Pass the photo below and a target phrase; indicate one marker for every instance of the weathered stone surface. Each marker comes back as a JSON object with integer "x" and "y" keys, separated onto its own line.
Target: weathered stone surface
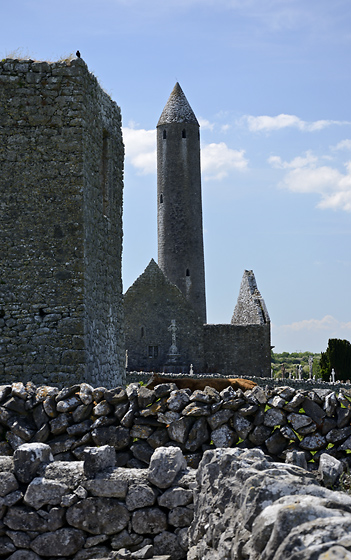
{"x": 174, "y": 497}
{"x": 24, "y": 555}
{"x": 69, "y": 473}
{"x": 179, "y": 429}
{"x": 242, "y": 425}
{"x": 165, "y": 464}
{"x": 42, "y": 491}
{"x": 219, "y": 418}
{"x": 118, "y": 436}
{"x": 224, "y": 437}
{"x": 198, "y": 435}
{"x": 8, "y": 483}
{"x": 313, "y": 443}
{"x": 140, "y": 496}
{"x": 98, "y": 459}
{"x": 180, "y": 516}
{"x": 98, "y": 516}
{"x": 114, "y": 482}
{"x": 149, "y": 521}
{"x": 167, "y": 543}
{"x": 63, "y": 542}
{"x": 28, "y": 458}
{"x": 274, "y": 417}
{"x": 329, "y": 468}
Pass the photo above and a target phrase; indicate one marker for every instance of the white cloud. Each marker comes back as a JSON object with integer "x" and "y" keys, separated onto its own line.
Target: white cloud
{"x": 205, "y": 124}
{"x": 269, "y": 124}
{"x": 343, "y": 145}
{"x": 217, "y": 160}
{"x": 297, "y": 162}
{"x": 140, "y": 146}
{"x": 304, "y": 176}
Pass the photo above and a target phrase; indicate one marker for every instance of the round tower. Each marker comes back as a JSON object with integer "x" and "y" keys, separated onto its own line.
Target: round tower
{"x": 179, "y": 205}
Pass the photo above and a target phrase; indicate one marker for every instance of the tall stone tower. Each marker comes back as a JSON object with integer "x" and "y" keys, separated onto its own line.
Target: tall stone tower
{"x": 179, "y": 205}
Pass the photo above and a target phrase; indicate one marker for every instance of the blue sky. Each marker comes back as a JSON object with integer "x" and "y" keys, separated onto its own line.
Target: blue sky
{"x": 270, "y": 83}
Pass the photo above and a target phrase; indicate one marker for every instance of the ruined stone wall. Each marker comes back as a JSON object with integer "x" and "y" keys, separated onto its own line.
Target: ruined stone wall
{"x": 61, "y": 159}
{"x": 238, "y": 350}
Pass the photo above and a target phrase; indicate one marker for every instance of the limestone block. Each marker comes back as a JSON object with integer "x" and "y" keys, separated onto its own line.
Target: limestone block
{"x": 63, "y": 542}
{"x": 167, "y": 543}
{"x": 98, "y": 516}
{"x": 8, "y": 483}
{"x": 329, "y": 468}
{"x": 28, "y": 458}
{"x": 174, "y": 497}
{"x": 165, "y": 464}
{"x": 149, "y": 521}
{"x": 98, "y": 459}
{"x": 140, "y": 496}
{"x": 42, "y": 491}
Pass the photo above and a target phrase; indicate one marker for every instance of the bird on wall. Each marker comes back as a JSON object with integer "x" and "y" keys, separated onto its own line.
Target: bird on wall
{"x": 78, "y": 54}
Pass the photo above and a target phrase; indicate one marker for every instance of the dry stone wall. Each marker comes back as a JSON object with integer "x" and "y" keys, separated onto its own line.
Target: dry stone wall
{"x": 92, "y": 509}
{"x": 137, "y": 420}
{"x": 61, "y": 181}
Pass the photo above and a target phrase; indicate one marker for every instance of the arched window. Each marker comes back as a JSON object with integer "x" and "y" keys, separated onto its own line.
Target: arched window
{"x": 183, "y": 133}
{"x": 164, "y": 134}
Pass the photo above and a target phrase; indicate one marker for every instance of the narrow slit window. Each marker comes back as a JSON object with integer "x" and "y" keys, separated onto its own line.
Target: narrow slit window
{"x": 141, "y": 332}
{"x": 161, "y": 198}
{"x": 187, "y": 273}
{"x": 183, "y": 133}
{"x": 153, "y": 351}
{"x": 164, "y": 134}
{"x": 105, "y": 173}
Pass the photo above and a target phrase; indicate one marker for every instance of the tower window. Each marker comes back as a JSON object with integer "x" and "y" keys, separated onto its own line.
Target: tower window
{"x": 153, "y": 351}
{"x": 187, "y": 272}
{"x": 164, "y": 134}
{"x": 161, "y": 198}
{"x": 141, "y": 332}
{"x": 183, "y": 133}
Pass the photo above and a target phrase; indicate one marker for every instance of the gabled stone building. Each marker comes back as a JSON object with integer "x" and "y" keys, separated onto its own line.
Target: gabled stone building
{"x": 165, "y": 308}
{"x": 61, "y": 182}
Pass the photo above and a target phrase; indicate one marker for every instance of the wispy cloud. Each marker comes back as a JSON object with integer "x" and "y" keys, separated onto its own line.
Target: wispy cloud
{"x": 217, "y": 160}
{"x": 343, "y": 145}
{"x": 328, "y": 323}
{"x": 269, "y": 124}
{"x": 205, "y": 124}
{"x": 305, "y": 176}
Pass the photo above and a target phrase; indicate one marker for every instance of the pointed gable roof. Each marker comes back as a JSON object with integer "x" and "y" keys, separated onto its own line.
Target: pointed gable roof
{"x": 250, "y": 308}
{"x": 177, "y": 109}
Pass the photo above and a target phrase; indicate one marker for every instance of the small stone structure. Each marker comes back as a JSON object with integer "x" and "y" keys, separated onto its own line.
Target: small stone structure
{"x": 61, "y": 160}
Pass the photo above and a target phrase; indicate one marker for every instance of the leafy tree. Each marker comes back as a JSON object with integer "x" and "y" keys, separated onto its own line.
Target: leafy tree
{"x": 337, "y": 356}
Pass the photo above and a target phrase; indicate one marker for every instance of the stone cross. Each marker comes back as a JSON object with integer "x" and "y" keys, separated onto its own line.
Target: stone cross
{"x": 173, "y": 330}
{"x": 310, "y": 364}
{"x": 332, "y": 377}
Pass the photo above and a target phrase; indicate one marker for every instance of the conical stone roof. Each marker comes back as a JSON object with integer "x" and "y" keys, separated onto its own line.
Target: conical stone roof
{"x": 177, "y": 109}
